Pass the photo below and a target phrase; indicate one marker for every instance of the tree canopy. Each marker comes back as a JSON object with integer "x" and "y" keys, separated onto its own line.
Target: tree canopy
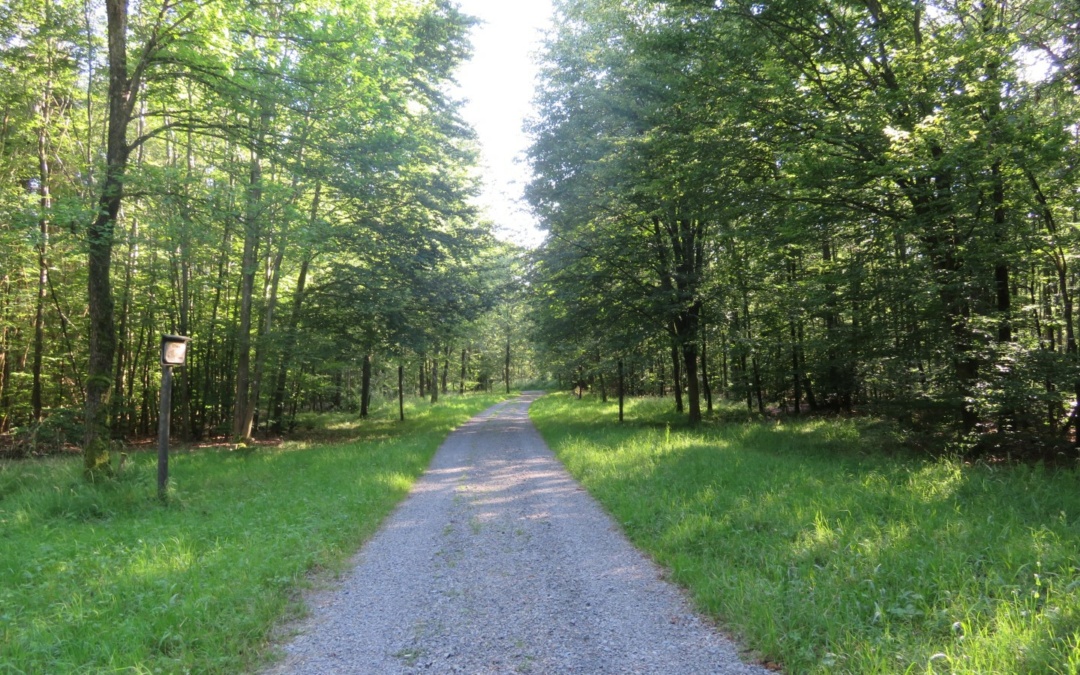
{"x": 289, "y": 184}
{"x": 826, "y": 204}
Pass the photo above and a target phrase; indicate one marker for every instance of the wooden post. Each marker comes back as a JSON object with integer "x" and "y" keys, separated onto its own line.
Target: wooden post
{"x": 163, "y": 431}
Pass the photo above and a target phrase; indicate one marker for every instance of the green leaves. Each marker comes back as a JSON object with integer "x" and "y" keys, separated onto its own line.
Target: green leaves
{"x": 863, "y": 175}
{"x": 315, "y": 137}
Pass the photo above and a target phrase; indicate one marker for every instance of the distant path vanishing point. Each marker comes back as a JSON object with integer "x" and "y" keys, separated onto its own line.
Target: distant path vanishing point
{"x": 499, "y": 562}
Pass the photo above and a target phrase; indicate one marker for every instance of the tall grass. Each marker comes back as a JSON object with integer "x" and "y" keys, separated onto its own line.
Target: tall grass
{"x": 827, "y": 550}
{"x": 103, "y": 578}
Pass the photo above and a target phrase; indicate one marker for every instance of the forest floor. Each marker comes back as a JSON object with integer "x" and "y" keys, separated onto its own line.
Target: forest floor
{"x": 499, "y": 562}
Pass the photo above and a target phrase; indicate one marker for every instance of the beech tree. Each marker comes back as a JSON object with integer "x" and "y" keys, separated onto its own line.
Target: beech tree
{"x": 874, "y": 191}
{"x": 222, "y": 166}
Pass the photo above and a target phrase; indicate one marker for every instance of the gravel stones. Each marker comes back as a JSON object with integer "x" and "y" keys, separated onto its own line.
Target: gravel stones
{"x": 499, "y": 562}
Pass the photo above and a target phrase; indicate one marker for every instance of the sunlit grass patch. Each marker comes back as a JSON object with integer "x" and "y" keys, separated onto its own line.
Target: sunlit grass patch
{"x": 102, "y": 578}
{"x": 829, "y": 549}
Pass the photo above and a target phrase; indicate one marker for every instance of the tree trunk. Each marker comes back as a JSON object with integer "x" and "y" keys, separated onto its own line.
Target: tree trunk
{"x": 365, "y": 386}
{"x": 435, "y": 377}
{"x": 446, "y": 368}
{"x": 622, "y": 390}
{"x": 1001, "y": 270}
{"x": 5, "y": 377}
{"x": 401, "y": 391}
{"x": 277, "y": 404}
{"x": 724, "y": 383}
{"x": 102, "y": 338}
{"x": 676, "y": 377}
{"x": 795, "y": 379}
{"x": 263, "y": 344}
{"x": 464, "y": 354}
{"x": 210, "y": 348}
{"x": 705, "y": 372}
{"x": 45, "y": 203}
{"x": 507, "y": 365}
{"x": 249, "y": 266}
{"x": 690, "y": 360}
{"x": 123, "y": 357}
{"x": 1061, "y": 264}
{"x": 757, "y": 385}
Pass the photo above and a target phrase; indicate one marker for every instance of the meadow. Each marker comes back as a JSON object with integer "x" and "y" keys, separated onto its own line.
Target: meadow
{"x": 826, "y": 547}
{"x": 107, "y": 578}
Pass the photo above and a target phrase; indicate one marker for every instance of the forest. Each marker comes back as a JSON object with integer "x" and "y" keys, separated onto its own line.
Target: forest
{"x": 288, "y": 184}
{"x": 798, "y": 205}
{"x": 817, "y": 205}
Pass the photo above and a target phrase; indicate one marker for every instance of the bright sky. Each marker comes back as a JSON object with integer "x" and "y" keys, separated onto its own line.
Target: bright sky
{"x": 498, "y": 87}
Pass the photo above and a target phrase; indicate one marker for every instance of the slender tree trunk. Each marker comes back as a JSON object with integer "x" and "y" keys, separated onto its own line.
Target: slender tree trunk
{"x": 365, "y": 386}
{"x": 127, "y": 358}
{"x": 401, "y": 391}
{"x": 1007, "y": 419}
{"x": 724, "y": 380}
{"x": 837, "y": 390}
{"x": 5, "y": 377}
{"x": 123, "y": 356}
{"x": 45, "y": 203}
{"x": 446, "y": 368}
{"x": 795, "y": 379}
{"x": 807, "y": 384}
{"x": 690, "y": 359}
{"x": 147, "y": 388}
{"x": 1001, "y": 270}
{"x": 249, "y": 267}
{"x": 705, "y": 372}
{"x": 507, "y": 365}
{"x": 211, "y": 347}
{"x": 263, "y": 344}
{"x": 1061, "y": 264}
{"x": 676, "y": 377}
{"x": 757, "y": 385}
{"x": 756, "y": 388}
{"x": 435, "y": 377}
{"x": 277, "y": 404}
{"x": 188, "y": 375}
{"x": 464, "y": 354}
{"x": 622, "y": 390}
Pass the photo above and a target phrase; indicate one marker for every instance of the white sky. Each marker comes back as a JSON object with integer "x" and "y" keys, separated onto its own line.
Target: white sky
{"x": 498, "y": 87}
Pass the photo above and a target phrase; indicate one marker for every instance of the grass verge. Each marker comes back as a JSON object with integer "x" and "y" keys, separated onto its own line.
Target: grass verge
{"x": 106, "y": 578}
{"x": 826, "y": 552}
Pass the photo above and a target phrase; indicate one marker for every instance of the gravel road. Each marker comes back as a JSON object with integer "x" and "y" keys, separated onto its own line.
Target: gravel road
{"x": 499, "y": 562}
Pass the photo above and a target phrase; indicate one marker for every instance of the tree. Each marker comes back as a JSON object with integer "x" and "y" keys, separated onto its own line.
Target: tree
{"x": 858, "y": 182}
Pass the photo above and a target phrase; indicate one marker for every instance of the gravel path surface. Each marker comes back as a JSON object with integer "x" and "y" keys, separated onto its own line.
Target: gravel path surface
{"x": 499, "y": 562}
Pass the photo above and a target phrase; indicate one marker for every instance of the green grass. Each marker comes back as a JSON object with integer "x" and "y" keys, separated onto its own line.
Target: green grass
{"x": 107, "y": 579}
{"x": 826, "y": 551}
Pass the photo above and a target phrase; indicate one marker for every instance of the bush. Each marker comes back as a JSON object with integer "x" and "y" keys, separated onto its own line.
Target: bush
{"x": 61, "y": 430}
